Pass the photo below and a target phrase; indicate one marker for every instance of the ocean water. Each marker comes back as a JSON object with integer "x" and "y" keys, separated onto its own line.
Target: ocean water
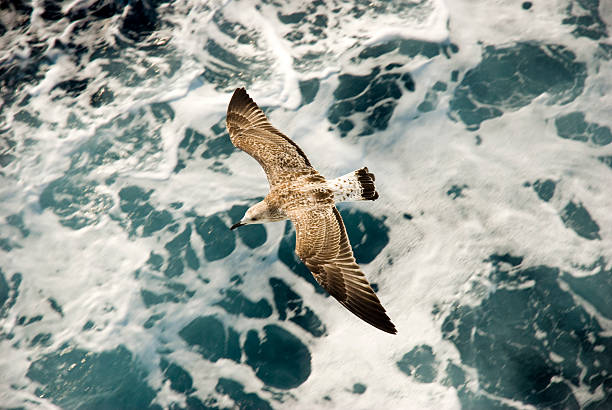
{"x": 487, "y": 125}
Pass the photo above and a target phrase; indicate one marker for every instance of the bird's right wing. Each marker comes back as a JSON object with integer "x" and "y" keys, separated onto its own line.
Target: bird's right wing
{"x": 251, "y": 132}
{"x": 323, "y": 245}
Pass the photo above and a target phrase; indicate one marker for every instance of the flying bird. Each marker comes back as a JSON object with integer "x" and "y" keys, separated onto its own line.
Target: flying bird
{"x": 299, "y": 193}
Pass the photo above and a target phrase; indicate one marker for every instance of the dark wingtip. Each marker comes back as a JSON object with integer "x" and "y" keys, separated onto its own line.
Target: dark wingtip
{"x": 385, "y": 324}
{"x": 391, "y": 330}
{"x": 379, "y": 319}
{"x": 240, "y": 98}
{"x": 239, "y": 91}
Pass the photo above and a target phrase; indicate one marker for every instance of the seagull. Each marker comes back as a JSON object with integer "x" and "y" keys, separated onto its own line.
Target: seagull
{"x": 299, "y": 193}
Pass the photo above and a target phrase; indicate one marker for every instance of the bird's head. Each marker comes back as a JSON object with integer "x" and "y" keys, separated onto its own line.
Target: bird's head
{"x": 257, "y": 214}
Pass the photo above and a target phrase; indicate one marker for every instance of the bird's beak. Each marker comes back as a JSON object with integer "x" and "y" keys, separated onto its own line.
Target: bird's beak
{"x": 236, "y": 225}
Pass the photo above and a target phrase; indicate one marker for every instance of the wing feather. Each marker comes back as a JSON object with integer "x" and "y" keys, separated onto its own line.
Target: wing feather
{"x": 251, "y": 132}
{"x": 323, "y": 245}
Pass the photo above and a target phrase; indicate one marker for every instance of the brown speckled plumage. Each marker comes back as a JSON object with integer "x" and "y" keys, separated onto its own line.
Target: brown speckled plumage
{"x": 298, "y": 192}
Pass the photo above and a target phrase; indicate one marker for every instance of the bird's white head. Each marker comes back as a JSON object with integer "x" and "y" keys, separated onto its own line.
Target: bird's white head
{"x": 258, "y": 214}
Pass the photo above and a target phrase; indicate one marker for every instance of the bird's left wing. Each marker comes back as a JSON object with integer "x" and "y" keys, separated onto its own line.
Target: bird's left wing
{"x": 323, "y": 245}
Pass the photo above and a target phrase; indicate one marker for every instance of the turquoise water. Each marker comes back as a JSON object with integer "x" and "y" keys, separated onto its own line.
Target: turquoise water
{"x": 487, "y": 125}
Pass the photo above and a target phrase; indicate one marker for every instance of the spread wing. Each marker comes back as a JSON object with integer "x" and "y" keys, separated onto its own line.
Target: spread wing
{"x": 323, "y": 245}
{"x": 251, "y": 131}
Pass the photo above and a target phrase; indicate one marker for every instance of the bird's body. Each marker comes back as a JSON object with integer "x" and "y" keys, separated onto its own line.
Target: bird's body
{"x": 305, "y": 190}
{"x": 299, "y": 193}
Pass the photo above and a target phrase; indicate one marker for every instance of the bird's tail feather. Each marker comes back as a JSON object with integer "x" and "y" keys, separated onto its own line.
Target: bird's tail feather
{"x": 354, "y": 186}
